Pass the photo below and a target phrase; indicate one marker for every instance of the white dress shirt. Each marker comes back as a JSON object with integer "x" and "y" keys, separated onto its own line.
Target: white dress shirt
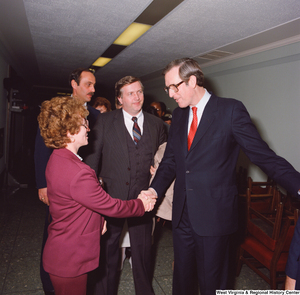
{"x": 129, "y": 123}
{"x": 200, "y": 108}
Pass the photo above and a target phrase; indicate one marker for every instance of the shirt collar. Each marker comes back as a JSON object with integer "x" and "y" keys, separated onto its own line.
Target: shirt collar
{"x": 79, "y": 157}
{"x": 128, "y": 116}
{"x": 203, "y": 101}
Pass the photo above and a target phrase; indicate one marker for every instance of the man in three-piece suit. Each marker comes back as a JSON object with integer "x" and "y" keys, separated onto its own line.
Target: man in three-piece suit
{"x": 125, "y": 142}
{"x": 83, "y": 84}
{"x": 205, "y": 137}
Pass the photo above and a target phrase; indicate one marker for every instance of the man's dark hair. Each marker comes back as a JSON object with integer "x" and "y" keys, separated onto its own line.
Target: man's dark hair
{"x": 76, "y": 74}
{"x": 163, "y": 106}
{"x": 152, "y": 110}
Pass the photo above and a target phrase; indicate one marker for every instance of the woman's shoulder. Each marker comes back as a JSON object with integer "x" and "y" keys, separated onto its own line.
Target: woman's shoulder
{"x": 64, "y": 153}
{"x": 67, "y": 164}
{"x": 66, "y": 158}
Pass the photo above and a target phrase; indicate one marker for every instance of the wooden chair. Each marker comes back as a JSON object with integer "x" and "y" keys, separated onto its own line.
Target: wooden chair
{"x": 263, "y": 195}
{"x": 263, "y": 202}
{"x": 261, "y": 187}
{"x": 267, "y": 243}
{"x": 290, "y": 204}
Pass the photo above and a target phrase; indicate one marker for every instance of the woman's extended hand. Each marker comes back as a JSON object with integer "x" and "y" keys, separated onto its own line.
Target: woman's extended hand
{"x": 148, "y": 198}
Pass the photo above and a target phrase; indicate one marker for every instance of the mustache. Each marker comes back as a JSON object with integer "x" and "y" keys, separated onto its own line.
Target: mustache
{"x": 91, "y": 93}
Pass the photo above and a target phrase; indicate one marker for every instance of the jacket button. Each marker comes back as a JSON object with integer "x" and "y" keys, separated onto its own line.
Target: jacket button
{"x": 187, "y": 171}
{"x": 128, "y": 168}
{"x": 127, "y": 183}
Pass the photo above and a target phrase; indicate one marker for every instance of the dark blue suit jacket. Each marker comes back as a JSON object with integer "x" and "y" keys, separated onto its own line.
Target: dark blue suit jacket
{"x": 205, "y": 175}
{"x": 293, "y": 264}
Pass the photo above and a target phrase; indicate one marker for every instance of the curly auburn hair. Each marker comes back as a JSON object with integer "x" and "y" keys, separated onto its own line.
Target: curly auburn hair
{"x": 58, "y": 116}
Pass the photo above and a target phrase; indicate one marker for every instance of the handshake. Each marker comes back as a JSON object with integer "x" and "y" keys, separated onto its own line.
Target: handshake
{"x": 148, "y": 198}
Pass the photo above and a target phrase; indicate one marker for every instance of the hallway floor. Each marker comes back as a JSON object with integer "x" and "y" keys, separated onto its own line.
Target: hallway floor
{"x": 21, "y": 226}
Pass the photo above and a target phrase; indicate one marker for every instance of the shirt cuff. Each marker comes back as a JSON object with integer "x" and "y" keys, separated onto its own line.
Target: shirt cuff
{"x": 153, "y": 191}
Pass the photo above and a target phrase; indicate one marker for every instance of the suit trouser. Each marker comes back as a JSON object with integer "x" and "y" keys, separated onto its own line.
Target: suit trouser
{"x": 208, "y": 256}
{"x": 140, "y": 229}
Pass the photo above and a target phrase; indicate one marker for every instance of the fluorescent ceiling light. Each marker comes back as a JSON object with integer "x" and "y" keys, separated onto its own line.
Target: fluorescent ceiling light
{"x": 157, "y": 10}
{"x": 101, "y": 61}
{"x": 133, "y": 32}
{"x": 63, "y": 94}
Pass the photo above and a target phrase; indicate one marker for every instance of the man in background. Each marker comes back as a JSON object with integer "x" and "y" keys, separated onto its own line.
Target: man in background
{"x": 83, "y": 83}
{"x": 161, "y": 109}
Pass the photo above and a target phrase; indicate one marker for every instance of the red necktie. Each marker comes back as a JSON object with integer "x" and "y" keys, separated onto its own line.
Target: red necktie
{"x": 193, "y": 128}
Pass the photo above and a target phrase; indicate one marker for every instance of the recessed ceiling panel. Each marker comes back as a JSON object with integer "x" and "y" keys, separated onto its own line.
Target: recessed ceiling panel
{"x": 197, "y": 27}
{"x": 68, "y": 34}
{"x": 61, "y": 35}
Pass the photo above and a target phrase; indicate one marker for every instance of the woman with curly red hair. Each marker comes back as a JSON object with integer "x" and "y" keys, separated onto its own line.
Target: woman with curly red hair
{"x": 77, "y": 201}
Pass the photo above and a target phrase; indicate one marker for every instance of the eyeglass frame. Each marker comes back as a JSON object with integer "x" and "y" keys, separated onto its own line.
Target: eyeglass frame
{"x": 167, "y": 88}
{"x": 86, "y": 125}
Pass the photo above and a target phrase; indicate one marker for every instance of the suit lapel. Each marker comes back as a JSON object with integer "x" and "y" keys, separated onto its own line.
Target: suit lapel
{"x": 152, "y": 131}
{"x": 208, "y": 116}
{"x": 183, "y": 127}
{"x": 120, "y": 131}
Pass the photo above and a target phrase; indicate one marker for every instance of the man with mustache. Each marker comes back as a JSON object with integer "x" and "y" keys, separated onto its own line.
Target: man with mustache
{"x": 83, "y": 83}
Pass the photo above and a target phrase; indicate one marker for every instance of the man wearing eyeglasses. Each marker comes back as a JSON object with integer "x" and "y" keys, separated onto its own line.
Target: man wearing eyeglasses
{"x": 205, "y": 137}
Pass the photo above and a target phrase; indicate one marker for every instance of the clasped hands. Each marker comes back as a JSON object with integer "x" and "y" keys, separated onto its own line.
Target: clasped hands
{"x": 148, "y": 198}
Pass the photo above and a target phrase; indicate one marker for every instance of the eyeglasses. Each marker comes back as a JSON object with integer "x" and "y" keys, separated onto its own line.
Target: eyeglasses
{"x": 86, "y": 125}
{"x": 173, "y": 87}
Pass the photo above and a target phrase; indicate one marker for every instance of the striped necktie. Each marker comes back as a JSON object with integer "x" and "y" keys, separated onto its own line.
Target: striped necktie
{"x": 193, "y": 128}
{"x": 136, "y": 130}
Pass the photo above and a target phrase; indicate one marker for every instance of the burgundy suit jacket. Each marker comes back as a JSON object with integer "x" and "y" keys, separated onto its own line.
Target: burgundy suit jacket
{"x": 76, "y": 204}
